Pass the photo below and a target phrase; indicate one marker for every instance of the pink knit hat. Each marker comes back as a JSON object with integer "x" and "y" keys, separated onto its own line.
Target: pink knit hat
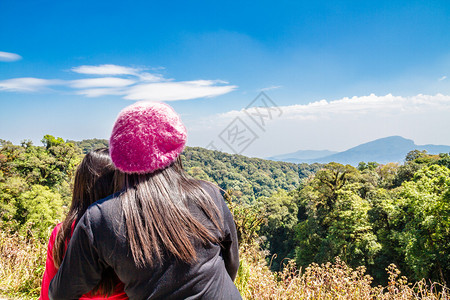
{"x": 147, "y": 136}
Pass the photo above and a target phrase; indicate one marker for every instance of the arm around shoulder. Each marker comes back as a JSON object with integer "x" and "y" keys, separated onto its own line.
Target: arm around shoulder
{"x": 81, "y": 268}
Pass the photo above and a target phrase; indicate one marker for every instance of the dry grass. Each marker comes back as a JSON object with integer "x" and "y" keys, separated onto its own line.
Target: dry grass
{"x": 22, "y": 264}
{"x": 326, "y": 281}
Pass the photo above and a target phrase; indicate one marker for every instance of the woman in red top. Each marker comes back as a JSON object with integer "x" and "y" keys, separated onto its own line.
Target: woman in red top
{"x": 94, "y": 180}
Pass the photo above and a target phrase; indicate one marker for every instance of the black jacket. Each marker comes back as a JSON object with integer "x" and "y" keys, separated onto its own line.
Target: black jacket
{"x": 99, "y": 241}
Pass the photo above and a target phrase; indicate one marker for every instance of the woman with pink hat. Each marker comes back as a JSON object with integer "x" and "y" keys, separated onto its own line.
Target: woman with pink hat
{"x": 165, "y": 235}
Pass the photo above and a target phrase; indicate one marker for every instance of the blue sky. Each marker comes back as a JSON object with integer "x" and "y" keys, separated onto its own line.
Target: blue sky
{"x": 341, "y": 72}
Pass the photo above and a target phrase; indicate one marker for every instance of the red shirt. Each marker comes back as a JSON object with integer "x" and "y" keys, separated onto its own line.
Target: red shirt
{"x": 51, "y": 270}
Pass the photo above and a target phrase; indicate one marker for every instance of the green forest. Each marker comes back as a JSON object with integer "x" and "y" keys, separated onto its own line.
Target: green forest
{"x": 296, "y": 215}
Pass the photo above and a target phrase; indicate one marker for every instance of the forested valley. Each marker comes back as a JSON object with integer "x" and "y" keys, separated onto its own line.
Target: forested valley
{"x": 303, "y": 222}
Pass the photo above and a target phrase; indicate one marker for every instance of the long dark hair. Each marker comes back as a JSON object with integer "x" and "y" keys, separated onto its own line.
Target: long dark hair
{"x": 94, "y": 180}
{"x": 158, "y": 220}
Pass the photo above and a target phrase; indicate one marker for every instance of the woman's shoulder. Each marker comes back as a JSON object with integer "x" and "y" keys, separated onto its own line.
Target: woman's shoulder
{"x": 107, "y": 200}
{"x": 102, "y": 206}
{"x": 105, "y": 212}
{"x": 57, "y": 227}
{"x": 55, "y": 231}
{"x": 210, "y": 187}
{"x": 215, "y": 192}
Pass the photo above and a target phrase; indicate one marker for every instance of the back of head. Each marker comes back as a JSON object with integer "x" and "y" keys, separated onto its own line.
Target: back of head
{"x": 94, "y": 179}
{"x": 145, "y": 143}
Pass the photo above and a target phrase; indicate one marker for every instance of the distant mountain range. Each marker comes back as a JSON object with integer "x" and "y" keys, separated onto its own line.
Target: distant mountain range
{"x": 384, "y": 150}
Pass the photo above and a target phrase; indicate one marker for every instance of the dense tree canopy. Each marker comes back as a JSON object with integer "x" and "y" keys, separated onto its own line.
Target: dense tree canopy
{"x": 374, "y": 216}
{"x": 90, "y": 144}
{"x": 35, "y": 184}
{"x": 249, "y": 178}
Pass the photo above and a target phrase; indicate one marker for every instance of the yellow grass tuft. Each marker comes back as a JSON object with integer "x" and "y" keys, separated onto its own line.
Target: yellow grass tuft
{"x": 325, "y": 281}
{"x": 22, "y": 264}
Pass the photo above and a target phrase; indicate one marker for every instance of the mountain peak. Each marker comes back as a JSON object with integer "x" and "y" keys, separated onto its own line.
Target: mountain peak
{"x": 394, "y": 138}
{"x": 384, "y": 144}
{"x": 383, "y": 150}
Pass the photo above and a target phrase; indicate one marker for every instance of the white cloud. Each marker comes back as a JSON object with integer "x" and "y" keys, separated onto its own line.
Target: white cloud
{"x": 442, "y": 78}
{"x": 129, "y": 83}
{"x": 27, "y": 84}
{"x": 144, "y": 76}
{"x": 98, "y": 92}
{"x": 8, "y": 56}
{"x": 106, "y": 70}
{"x": 145, "y": 86}
{"x": 272, "y": 87}
{"x": 101, "y": 82}
{"x": 358, "y": 106}
{"x": 182, "y": 90}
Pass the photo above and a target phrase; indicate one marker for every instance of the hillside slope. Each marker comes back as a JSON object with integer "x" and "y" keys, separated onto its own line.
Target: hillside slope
{"x": 249, "y": 178}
